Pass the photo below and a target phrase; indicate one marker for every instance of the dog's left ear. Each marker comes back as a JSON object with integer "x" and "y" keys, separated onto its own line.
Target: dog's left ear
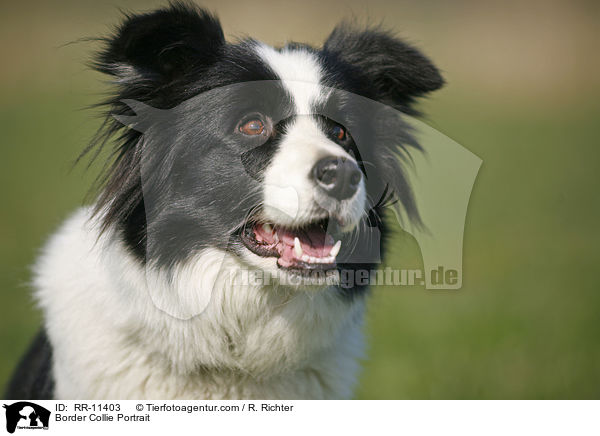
{"x": 398, "y": 72}
{"x": 162, "y": 45}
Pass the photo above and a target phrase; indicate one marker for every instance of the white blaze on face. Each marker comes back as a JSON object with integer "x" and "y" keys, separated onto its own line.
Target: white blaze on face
{"x": 304, "y": 143}
{"x": 300, "y": 72}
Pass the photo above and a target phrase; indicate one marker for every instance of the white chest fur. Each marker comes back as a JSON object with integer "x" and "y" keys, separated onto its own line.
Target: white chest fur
{"x": 110, "y": 340}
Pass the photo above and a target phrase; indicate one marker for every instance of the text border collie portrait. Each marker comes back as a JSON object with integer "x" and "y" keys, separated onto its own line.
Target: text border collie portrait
{"x": 227, "y": 157}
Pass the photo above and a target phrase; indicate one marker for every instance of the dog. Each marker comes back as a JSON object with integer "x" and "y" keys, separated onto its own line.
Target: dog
{"x": 228, "y": 159}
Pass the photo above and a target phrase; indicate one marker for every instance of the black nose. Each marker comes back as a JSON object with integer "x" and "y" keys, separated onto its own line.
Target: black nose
{"x": 338, "y": 177}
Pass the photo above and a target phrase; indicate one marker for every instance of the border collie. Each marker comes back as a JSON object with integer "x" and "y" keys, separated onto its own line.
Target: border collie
{"x": 228, "y": 159}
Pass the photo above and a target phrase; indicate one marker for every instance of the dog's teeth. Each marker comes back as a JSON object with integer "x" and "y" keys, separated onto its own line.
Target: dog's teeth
{"x": 335, "y": 249}
{"x": 267, "y": 228}
{"x": 297, "y": 247}
{"x": 276, "y": 238}
{"x": 305, "y": 258}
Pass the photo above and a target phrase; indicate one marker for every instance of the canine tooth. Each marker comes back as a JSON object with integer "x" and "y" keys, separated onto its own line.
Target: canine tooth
{"x": 297, "y": 247}
{"x": 267, "y": 227}
{"x": 276, "y": 237}
{"x": 335, "y": 249}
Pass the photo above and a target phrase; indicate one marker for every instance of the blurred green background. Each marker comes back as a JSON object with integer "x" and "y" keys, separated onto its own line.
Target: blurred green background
{"x": 523, "y": 94}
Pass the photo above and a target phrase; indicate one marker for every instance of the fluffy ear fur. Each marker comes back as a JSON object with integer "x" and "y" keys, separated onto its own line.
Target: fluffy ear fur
{"x": 162, "y": 45}
{"x": 152, "y": 57}
{"x": 398, "y": 72}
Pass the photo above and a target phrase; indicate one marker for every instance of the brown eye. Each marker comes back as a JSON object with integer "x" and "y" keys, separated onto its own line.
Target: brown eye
{"x": 253, "y": 127}
{"x": 339, "y": 132}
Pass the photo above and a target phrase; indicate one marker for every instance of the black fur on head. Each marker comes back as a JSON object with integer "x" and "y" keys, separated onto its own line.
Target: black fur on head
{"x": 167, "y": 57}
{"x": 161, "y": 58}
{"x": 160, "y": 47}
{"x": 394, "y": 72}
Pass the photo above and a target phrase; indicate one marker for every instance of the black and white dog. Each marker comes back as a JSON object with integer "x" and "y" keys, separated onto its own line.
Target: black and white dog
{"x": 229, "y": 158}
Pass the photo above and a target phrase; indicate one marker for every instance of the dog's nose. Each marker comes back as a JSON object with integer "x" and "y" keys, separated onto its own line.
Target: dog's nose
{"x": 338, "y": 177}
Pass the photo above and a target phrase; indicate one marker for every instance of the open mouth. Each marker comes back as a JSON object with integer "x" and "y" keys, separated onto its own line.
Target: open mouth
{"x": 306, "y": 248}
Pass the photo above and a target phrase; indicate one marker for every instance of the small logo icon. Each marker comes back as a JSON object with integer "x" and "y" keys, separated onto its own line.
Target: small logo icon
{"x": 26, "y": 415}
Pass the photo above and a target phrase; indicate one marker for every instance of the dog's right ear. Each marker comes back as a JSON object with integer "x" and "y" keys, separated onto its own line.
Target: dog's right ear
{"x": 162, "y": 45}
{"x": 397, "y": 72}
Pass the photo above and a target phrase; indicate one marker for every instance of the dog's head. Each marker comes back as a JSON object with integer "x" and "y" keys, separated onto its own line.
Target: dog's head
{"x": 282, "y": 157}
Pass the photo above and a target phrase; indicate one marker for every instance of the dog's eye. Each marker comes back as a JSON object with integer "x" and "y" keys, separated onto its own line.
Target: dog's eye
{"x": 253, "y": 127}
{"x": 338, "y": 132}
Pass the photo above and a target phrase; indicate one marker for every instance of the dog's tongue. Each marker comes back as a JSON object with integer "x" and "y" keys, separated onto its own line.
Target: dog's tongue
{"x": 314, "y": 241}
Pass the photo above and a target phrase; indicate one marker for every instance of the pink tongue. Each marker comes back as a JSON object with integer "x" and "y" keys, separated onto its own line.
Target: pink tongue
{"x": 314, "y": 241}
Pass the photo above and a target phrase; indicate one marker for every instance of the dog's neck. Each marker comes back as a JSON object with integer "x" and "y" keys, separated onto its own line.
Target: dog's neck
{"x": 197, "y": 332}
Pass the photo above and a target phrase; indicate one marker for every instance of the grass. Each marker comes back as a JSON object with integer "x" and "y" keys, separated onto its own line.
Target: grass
{"x": 525, "y": 323}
